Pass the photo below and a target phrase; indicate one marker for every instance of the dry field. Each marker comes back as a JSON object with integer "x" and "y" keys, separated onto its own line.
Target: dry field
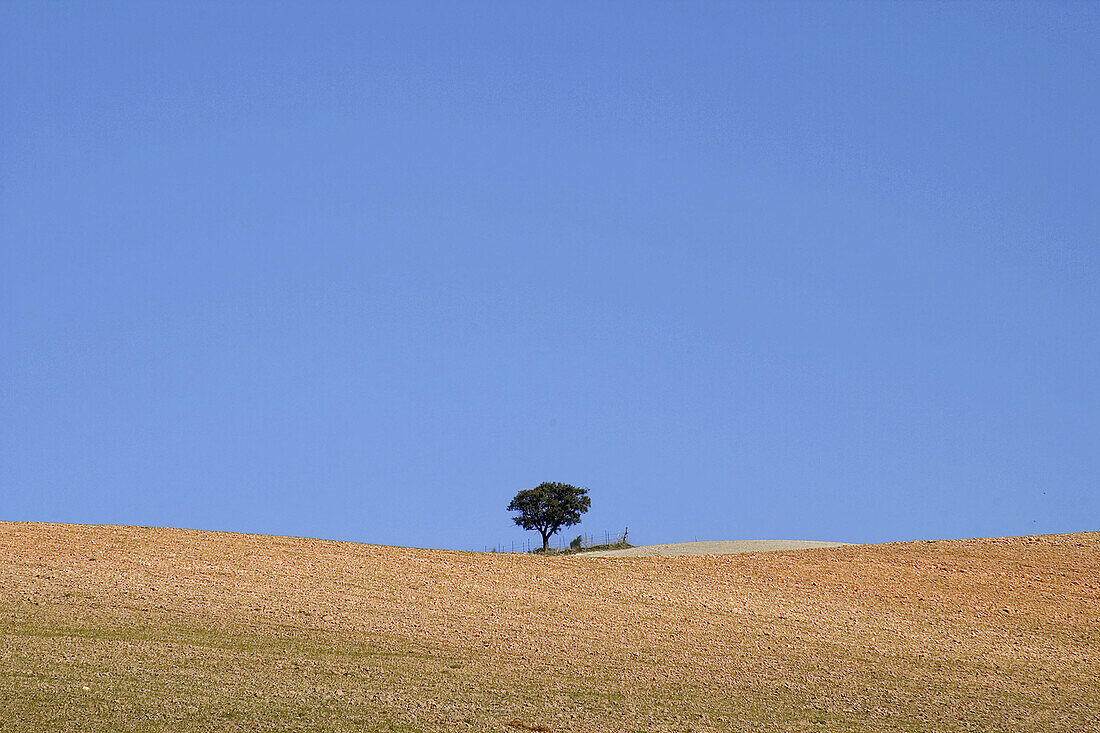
{"x": 124, "y": 628}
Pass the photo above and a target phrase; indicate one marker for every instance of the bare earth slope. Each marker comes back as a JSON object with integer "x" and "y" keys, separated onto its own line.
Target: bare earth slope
{"x": 724, "y": 547}
{"x": 123, "y": 628}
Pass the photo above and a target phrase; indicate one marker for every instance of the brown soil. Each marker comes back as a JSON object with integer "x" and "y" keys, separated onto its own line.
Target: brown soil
{"x": 161, "y": 629}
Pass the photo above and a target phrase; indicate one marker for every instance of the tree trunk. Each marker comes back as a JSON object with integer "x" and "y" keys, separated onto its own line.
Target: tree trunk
{"x": 545, "y": 541}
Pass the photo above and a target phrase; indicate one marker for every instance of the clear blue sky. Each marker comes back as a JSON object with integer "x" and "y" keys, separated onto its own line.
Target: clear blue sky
{"x": 364, "y": 270}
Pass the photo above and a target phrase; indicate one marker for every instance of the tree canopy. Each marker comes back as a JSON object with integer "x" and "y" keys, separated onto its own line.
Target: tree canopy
{"x": 548, "y": 507}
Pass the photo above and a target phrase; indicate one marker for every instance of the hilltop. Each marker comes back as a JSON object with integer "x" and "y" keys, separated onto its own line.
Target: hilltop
{"x": 723, "y": 547}
{"x": 155, "y": 629}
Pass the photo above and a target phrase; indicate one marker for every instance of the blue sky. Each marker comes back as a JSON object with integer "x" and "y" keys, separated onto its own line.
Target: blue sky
{"x": 363, "y": 271}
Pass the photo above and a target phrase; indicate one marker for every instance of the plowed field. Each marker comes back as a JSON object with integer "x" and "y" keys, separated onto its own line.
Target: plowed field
{"x": 125, "y": 628}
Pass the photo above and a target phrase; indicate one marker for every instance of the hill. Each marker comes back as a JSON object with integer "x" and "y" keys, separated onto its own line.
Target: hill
{"x": 162, "y": 629}
{"x": 723, "y": 547}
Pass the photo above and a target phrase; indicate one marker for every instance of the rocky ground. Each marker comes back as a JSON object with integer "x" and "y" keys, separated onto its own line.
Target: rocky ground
{"x": 127, "y": 628}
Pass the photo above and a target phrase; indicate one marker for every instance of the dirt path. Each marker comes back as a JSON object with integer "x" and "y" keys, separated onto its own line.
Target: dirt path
{"x": 727, "y": 547}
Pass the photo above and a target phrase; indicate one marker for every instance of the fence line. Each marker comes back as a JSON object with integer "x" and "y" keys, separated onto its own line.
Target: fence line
{"x": 560, "y": 542}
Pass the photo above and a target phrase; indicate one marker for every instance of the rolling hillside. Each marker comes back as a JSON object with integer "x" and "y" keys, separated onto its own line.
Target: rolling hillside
{"x": 105, "y": 628}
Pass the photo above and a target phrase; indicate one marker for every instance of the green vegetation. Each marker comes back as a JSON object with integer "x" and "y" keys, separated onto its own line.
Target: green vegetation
{"x": 548, "y": 507}
{"x": 578, "y": 549}
{"x": 59, "y": 673}
{"x": 595, "y": 548}
{"x": 62, "y": 674}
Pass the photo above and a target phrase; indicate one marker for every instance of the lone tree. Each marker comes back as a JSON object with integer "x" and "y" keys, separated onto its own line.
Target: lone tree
{"x": 548, "y": 507}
